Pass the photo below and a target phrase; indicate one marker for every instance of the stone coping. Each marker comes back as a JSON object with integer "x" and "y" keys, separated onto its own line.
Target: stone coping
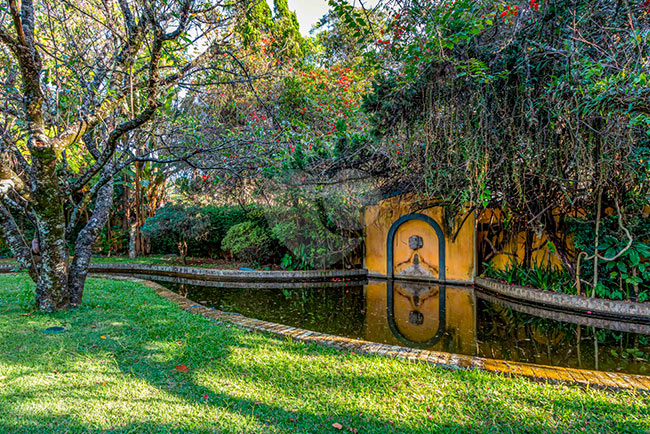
{"x": 587, "y": 305}
{"x": 212, "y": 274}
{"x": 332, "y": 282}
{"x": 560, "y": 315}
{"x": 226, "y": 275}
{"x": 423, "y": 279}
{"x": 541, "y": 373}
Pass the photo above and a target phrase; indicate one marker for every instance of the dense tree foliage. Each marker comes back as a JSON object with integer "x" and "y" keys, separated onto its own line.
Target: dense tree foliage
{"x": 537, "y": 108}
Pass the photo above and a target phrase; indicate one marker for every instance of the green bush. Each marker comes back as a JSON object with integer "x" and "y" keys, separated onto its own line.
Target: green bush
{"x": 180, "y": 223}
{"x": 220, "y": 219}
{"x": 312, "y": 245}
{"x": 250, "y": 242}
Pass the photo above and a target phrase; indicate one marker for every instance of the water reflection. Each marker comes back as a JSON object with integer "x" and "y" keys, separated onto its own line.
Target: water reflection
{"x": 419, "y": 315}
{"x": 443, "y": 318}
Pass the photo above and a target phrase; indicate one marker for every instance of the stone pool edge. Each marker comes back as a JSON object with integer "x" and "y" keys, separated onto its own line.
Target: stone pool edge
{"x": 538, "y": 373}
{"x": 624, "y": 309}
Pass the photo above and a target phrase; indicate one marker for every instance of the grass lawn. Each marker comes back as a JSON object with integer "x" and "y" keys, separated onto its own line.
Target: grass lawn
{"x": 115, "y": 371}
{"x": 221, "y": 264}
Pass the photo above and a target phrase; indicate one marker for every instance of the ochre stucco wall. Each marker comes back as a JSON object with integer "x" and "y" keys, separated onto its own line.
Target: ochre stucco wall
{"x": 543, "y": 255}
{"x": 459, "y": 254}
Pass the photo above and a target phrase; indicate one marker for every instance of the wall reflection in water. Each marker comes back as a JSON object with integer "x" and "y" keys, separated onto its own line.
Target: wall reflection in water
{"x": 425, "y": 316}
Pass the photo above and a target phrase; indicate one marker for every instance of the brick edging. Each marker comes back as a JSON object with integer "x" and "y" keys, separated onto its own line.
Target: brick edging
{"x": 540, "y": 373}
{"x": 566, "y": 301}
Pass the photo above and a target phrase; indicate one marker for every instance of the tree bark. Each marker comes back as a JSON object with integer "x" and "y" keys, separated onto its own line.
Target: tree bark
{"x": 52, "y": 284}
{"x": 85, "y": 241}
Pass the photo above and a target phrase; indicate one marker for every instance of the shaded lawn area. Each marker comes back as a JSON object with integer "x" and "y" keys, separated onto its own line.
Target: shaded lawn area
{"x": 114, "y": 371}
{"x": 221, "y": 264}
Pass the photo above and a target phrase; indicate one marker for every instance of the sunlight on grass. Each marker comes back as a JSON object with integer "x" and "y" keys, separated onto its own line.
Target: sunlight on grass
{"x": 235, "y": 382}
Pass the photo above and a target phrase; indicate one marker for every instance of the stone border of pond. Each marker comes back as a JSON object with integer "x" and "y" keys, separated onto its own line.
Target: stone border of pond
{"x": 540, "y": 373}
{"x": 563, "y": 315}
{"x": 212, "y": 274}
{"x": 585, "y": 305}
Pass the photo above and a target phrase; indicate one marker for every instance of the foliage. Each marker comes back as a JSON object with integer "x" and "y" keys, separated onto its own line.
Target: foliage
{"x": 250, "y": 242}
{"x": 317, "y": 237}
{"x": 180, "y": 223}
{"x": 626, "y": 277}
{"x": 542, "y": 277}
{"x": 533, "y": 108}
{"x": 219, "y": 218}
{"x": 298, "y": 261}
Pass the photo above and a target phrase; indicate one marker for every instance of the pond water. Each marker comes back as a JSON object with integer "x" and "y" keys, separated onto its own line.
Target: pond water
{"x": 460, "y": 320}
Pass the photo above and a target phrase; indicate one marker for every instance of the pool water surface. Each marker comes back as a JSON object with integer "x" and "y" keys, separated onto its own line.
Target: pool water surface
{"x": 460, "y": 320}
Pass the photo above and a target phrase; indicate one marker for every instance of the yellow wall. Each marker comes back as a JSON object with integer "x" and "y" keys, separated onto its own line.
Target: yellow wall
{"x": 459, "y": 254}
{"x": 514, "y": 250}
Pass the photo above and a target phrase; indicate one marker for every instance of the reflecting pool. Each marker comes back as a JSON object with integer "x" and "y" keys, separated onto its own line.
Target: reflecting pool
{"x": 447, "y": 318}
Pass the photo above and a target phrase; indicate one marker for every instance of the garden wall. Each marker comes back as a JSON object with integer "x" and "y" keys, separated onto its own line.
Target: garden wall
{"x": 459, "y": 251}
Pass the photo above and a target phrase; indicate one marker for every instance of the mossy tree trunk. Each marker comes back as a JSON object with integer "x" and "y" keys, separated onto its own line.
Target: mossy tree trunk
{"x": 52, "y": 282}
{"x": 36, "y": 181}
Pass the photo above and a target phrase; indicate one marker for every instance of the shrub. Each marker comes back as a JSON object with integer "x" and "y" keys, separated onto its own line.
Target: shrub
{"x": 312, "y": 245}
{"x": 542, "y": 277}
{"x": 220, "y": 219}
{"x": 180, "y": 223}
{"x": 250, "y": 242}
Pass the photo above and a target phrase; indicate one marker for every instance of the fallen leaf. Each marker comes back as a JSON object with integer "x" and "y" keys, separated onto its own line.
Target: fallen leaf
{"x": 103, "y": 383}
{"x": 102, "y": 337}
{"x": 27, "y": 314}
{"x": 181, "y": 368}
{"x": 93, "y": 327}
{"x": 337, "y": 425}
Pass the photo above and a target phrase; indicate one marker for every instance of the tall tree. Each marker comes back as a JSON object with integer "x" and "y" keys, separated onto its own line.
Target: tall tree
{"x": 78, "y": 78}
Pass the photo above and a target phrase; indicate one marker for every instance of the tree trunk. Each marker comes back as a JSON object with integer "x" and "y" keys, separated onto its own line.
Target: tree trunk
{"x": 85, "y": 241}
{"x": 182, "y": 249}
{"x": 133, "y": 253}
{"x": 138, "y": 209}
{"x": 52, "y": 283}
{"x": 599, "y": 206}
{"x": 528, "y": 250}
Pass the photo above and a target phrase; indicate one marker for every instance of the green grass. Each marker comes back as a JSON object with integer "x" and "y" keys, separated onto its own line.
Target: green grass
{"x": 160, "y": 260}
{"x": 169, "y": 260}
{"x": 151, "y": 260}
{"x": 239, "y": 382}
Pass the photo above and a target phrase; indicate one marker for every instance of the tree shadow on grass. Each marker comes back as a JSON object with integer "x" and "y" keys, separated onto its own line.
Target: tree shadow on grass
{"x": 302, "y": 388}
